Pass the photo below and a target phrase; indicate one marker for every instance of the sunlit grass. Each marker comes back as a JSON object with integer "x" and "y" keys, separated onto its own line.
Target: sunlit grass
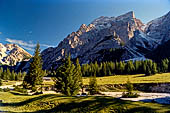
{"x": 16, "y": 102}
{"x": 118, "y": 79}
{"x": 140, "y": 78}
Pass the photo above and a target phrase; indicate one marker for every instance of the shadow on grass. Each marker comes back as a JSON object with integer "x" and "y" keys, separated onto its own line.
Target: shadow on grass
{"x": 97, "y": 104}
{"x": 30, "y": 100}
{"x": 85, "y": 105}
{"x": 19, "y": 94}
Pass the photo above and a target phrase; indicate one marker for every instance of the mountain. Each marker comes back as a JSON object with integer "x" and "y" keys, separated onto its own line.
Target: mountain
{"x": 89, "y": 41}
{"x": 10, "y": 54}
{"x": 111, "y": 39}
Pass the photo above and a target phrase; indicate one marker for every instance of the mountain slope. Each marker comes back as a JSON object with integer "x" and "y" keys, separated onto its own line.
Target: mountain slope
{"x": 103, "y": 33}
{"x": 10, "y": 54}
{"x": 111, "y": 39}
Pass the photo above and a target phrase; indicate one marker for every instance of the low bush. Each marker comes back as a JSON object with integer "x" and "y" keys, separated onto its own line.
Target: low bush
{"x": 129, "y": 95}
{"x": 6, "y": 89}
{"x": 22, "y": 90}
{"x": 1, "y": 90}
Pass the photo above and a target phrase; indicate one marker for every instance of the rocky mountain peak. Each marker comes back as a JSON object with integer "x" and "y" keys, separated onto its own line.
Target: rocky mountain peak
{"x": 159, "y": 29}
{"x": 129, "y": 15}
{"x": 124, "y": 36}
{"x": 10, "y": 54}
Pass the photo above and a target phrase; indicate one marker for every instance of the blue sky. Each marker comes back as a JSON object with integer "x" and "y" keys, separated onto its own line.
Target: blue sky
{"x": 26, "y": 22}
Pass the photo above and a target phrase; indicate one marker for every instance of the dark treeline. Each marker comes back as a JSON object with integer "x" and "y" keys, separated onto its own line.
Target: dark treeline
{"x": 7, "y": 74}
{"x": 147, "y": 67}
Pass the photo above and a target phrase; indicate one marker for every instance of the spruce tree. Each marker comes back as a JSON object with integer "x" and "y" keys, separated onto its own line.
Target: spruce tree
{"x": 35, "y": 73}
{"x": 1, "y": 72}
{"x": 93, "y": 87}
{"x": 164, "y": 65}
{"x": 104, "y": 69}
{"x": 12, "y": 77}
{"x": 8, "y": 74}
{"x": 130, "y": 67}
{"x": 68, "y": 77}
{"x": 154, "y": 68}
{"x": 77, "y": 78}
{"x": 0, "y": 82}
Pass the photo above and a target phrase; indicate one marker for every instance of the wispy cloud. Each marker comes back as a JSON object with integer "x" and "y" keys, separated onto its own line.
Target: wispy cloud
{"x": 26, "y": 45}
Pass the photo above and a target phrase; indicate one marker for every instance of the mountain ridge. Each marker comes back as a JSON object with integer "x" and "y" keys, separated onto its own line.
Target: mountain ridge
{"x": 110, "y": 39}
{"x": 11, "y": 54}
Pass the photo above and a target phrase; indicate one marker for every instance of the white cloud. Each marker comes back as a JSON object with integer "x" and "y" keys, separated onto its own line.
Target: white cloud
{"x": 0, "y": 33}
{"x": 26, "y": 45}
{"x": 27, "y": 48}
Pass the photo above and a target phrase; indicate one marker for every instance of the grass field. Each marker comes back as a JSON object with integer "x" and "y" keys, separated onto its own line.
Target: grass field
{"x": 118, "y": 79}
{"x": 16, "y": 102}
{"x": 140, "y": 78}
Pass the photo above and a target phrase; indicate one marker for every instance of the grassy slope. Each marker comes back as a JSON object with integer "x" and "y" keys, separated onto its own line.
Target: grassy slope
{"x": 140, "y": 78}
{"x": 15, "y": 102}
{"x": 119, "y": 79}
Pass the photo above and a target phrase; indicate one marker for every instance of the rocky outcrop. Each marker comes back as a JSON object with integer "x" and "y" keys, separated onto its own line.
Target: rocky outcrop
{"x": 10, "y": 54}
{"x": 159, "y": 29}
{"x": 102, "y": 34}
{"x": 126, "y": 35}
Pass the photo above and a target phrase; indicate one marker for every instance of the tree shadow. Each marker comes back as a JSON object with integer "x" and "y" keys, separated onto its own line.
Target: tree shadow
{"x": 30, "y": 100}
{"x": 85, "y": 104}
{"x": 96, "y": 105}
{"x": 19, "y": 94}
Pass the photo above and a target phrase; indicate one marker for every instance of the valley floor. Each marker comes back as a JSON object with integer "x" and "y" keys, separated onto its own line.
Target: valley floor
{"x": 16, "y": 102}
{"x": 46, "y": 103}
{"x": 139, "y": 78}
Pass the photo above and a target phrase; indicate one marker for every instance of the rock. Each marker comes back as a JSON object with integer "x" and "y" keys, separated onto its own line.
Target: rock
{"x": 10, "y": 54}
{"x": 86, "y": 43}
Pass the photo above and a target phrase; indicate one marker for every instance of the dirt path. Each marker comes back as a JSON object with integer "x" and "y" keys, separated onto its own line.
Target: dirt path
{"x": 11, "y": 86}
{"x": 162, "y": 98}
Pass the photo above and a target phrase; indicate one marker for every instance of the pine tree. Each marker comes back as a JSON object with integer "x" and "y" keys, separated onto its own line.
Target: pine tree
{"x": 68, "y": 77}
{"x": 35, "y": 73}
{"x": 1, "y": 72}
{"x": 130, "y": 67}
{"x": 164, "y": 65}
{"x": 12, "y": 77}
{"x": 154, "y": 68}
{"x": 77, "y": 78}
{"x": 8, "y": 74}
{"x": 0, "y": 82}
{"x": 112, "y": 67}
{"x": 104, "y": 69}
{"x": 93, "y": 88}
{"x": 4, "y": 75}
{"x": 121, "y": 67}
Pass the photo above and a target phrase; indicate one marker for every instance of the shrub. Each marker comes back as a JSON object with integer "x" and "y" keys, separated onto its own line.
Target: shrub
{"x": 34, "y": 89}
{"x": 6, "y": 89}
{"x": 129, "y": 94}
{"x": 1, "y": 90}
{"x": 93, "y": 87}
{"x": 22, "y": 90}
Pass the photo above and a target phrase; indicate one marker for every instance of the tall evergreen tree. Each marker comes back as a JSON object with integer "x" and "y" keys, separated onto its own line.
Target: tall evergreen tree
{"x": 154, "y": 68}
{"x": 93, "y": 87}
{"x": 35, "y": 73}
{"x": 68, "y": 77}
{"x": 1, "y": 72}
{"x": 130, "y": 67}
{"x": 164, "y": 65}
{"x": 12, "y": 77}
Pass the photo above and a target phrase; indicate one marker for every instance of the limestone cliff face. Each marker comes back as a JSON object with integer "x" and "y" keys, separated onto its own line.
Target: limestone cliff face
{"x": 159, "y": 29}
{"x": 98, "y": 41}
{"x": 10, "y": 54}
{"x": 88, "y": 40}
